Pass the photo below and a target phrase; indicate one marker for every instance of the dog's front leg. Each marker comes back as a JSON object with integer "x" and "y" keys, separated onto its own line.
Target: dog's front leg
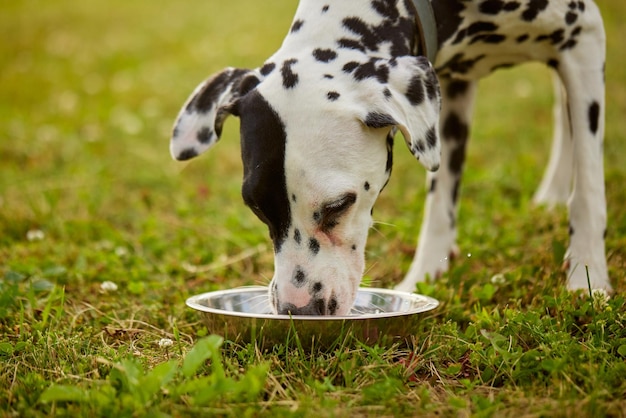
{"x": 582, "y": 71}
{"x": 437, "y": 240}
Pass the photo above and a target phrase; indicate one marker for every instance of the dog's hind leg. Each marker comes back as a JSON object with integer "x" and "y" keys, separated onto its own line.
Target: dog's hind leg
{"x": 437, "y": 240}
{"x": 581, "y": 67}
{"x": 556, "y": 185}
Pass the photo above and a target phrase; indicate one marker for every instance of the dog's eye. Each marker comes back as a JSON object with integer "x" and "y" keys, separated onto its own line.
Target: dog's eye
{"x": 331, "y": 212}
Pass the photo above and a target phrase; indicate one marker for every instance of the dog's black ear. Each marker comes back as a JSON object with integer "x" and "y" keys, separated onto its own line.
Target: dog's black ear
{"x": 411, "y": 102}
{"x": 199, "y": 123}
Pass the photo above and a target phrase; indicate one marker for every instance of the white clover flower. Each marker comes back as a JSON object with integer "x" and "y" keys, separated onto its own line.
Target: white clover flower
{"x": 165, "y": 342}
{"x": 108, "y": 286}
{"x": 600, "y": 298}
{"x": 121, "y": 251}
{"x": 498, "y": 279}
{"x": 35, "y": 235}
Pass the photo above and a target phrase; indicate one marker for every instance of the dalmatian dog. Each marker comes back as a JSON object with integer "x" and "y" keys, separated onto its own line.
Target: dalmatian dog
{"x": 318, "y": 120}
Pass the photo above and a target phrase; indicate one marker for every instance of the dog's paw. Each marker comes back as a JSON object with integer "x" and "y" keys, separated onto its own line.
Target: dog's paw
{"x": 587, "y": 277}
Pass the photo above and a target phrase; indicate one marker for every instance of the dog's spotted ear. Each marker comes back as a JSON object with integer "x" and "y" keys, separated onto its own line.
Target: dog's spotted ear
{"x": 410, "y": 100}
{"x": 199, "y": 123}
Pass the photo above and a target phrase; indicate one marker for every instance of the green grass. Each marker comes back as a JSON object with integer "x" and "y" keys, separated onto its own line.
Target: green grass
{"x": 88, "y": 194}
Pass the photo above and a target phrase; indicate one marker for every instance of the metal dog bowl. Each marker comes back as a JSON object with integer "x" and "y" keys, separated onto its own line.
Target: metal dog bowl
{"x": 379, "y": 316}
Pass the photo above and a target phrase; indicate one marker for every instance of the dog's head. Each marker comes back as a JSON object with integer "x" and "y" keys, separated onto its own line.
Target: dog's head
{"x": 316, "y": 151}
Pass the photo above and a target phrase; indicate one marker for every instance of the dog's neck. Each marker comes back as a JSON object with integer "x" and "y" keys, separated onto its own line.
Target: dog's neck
{"x": 381, "y": 29}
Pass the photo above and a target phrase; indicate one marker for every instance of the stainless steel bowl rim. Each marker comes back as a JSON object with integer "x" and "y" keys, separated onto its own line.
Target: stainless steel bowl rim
{"x": 428, "y": 304}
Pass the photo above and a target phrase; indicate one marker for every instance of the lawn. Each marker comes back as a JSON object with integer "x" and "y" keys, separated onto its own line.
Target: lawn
{"x": 103, "y": 237}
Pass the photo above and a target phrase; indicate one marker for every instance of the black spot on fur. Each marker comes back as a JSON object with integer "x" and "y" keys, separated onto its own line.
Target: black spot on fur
{"x": 247, "y": 83}
{"x": 297, "y": 237}
{"x": 572, "y": 40}
{"x": 204, "y": 135}
{"x": 478, "y": 27}
{"x": 370, "y": 69}
{"x": 362, "y": 29}
{"x": 554, "y": 63}
{"x": 385, "y": 8}
{"x": 522, "y": 38}
{"x": 299, "y": 278}
{"x": 554, "y": 38}
{"x": 455, "y": 128}
{"x": 455, "y": 194}
{"x": 187, "y": 154}
{"x": 325, "y": 9}
{"x": 314, "y": 246}
{"x": 594, "y": 116}
{"x": 350, "y": 44}
{"x": 570, "y": 18}
{"x": 459, "y": 64}
{"x": 267, "y": 68}
{"x": 511, "y": 6}
{"x": 317, "y": 287}
{"x": 432, "y": 85}
{"x": 431, "y": 137}
{"x": 353, "y": 247}
{"x": 533, "y": 9}
{"x": 474, "y": 29}
{"x": 456, "y": 88}
{"x": 460, "y": 36}
{"x": 415, "y": 91}
{"x": 569, "y": 44}
{"x": 348, "y": 67}
{"x": 396, "y": 32}
{"x": 379, "y": 120}
{"x": 324, "y": 55}
{"x": 332, "y": 95}
{"x": 297, "y": 25}
{"x": 457, "y": 159}
{"x": 491, "y": 7}
{"x": 493, "y": 38}
{"x": 329, "y": 76}
{"x": 433, "y": 185}
{"x": 366, "y": 186}
{"x": 208, "y": 96}
{"x": 290, "y": 79}
{"x": 417, "y": 148}
{"x": 387, "y": 93}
